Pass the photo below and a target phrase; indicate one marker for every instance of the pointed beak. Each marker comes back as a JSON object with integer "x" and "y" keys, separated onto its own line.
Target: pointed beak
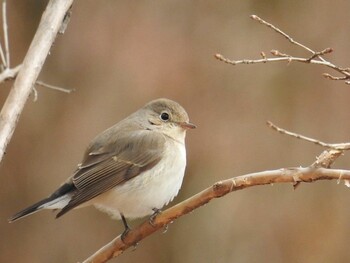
{"x": 187, "y": 125}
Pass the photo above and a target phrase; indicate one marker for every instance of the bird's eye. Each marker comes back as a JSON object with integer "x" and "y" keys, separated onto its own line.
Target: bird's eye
{"x": 164, "y": 116}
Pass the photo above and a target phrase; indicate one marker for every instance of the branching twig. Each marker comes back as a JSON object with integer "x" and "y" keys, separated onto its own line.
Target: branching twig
{"x": 326, "y": 158}
{"x": 9, "y": 73}
{"x": 43, "y": 84}
{"x": 279, "y": 31}
{"x": 6, "y": 72}
{"x": 315, "y": 58}
{"x": 44, "y": 37}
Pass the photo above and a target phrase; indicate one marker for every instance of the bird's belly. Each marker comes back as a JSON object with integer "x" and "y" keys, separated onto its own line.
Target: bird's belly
{"x": 151, "y": 189}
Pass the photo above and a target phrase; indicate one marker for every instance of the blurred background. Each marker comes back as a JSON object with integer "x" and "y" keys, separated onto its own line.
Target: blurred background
{"x": 119, "y": 55}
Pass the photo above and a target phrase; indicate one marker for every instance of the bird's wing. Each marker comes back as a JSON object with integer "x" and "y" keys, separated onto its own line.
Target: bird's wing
{"x": 106, "y": 167}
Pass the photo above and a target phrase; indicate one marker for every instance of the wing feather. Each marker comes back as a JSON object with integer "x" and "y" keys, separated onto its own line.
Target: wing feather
{"x": 103, "y": 170}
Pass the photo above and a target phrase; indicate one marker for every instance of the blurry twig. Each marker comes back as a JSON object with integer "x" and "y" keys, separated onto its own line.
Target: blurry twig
{"x": 6, "y": 71}
{"x": 315, "y": 58}
{"x": 43, "y": 84}
{"x": 5, "y": 60}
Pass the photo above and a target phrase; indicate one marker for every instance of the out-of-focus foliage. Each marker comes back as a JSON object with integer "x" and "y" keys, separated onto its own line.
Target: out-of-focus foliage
{"x": 118, "y": 55}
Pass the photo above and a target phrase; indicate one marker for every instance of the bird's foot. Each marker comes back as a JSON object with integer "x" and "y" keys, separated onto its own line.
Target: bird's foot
{"x": 126, "y": 227}
{"x": 124, "y": 234}
{"x": 154, "y": 215}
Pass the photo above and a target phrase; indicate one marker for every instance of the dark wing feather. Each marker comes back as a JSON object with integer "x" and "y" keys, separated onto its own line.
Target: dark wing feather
{"x": 115, "y": 164}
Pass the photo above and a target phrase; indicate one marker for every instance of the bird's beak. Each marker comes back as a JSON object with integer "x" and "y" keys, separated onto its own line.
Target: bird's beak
{"x": 187, "y": 125}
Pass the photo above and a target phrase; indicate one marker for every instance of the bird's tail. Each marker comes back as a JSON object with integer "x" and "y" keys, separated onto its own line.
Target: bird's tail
{"x": 47, "y": 203}
{"x": 59, "y": 199}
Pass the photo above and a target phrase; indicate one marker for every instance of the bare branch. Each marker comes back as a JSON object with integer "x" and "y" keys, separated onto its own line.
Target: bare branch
{"x": 319, "y": 170}
{"x": 45, "y": 35}
{"x": 315, "y": 58}
{"x": 334, "y": 146}
{"x": 320, "y": 53}
{"x": 219, "y": 189}
{"x": 281, "y": 57}
{"x": 279, "y": 31}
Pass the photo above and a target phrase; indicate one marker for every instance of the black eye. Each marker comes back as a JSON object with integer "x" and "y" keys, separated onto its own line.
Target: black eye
{"x": 164, "y": 116}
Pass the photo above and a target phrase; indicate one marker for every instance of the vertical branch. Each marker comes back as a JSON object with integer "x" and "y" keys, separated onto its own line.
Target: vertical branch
{"x": 4, "y": 21}
{"x": 44, "y": 37}
{"x": 6, "y": 40}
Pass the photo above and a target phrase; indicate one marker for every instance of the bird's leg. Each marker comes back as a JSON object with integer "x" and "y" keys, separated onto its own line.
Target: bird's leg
{"x": 126, "y": 231}
{"x": 154, "y": 215}
{"x": 126, "y": 226}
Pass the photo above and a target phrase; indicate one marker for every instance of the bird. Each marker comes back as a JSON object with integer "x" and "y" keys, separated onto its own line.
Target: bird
{"x": 130, "y": 170}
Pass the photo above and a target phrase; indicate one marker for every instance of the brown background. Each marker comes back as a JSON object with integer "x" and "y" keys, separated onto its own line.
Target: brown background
{"x": 118, "y": 55}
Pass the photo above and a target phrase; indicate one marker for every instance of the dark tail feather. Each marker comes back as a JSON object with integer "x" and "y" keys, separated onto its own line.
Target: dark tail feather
{"x": 29, "y": 210}
{"x": 60, "y": 192}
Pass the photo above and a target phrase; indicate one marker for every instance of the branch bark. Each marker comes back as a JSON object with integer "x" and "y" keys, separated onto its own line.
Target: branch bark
{"x": 318, "y": 170}
{"x": 286, "y": 175}
{"x": 44, "y": 37}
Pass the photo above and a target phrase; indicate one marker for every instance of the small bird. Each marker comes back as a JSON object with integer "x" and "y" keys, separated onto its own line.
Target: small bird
{"x": 130, "y": 170}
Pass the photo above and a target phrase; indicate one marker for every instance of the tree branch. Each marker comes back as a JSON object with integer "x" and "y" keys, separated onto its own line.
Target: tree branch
{"x": 44, "y": 37}
{"x": 286, "y": 175}
{"x": 315, "y": 58}
{"x": 319, "y": 170}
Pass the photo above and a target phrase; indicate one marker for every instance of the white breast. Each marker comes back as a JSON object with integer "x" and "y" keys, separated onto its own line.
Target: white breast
{"x": 151, "y": 189}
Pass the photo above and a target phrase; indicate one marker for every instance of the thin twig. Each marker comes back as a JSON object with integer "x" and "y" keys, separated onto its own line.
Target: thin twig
{"x": 6, "y": 40}
{"x": 282, "y": 57}
{"x": 3, "y": 60}
{"x": 320, "y": 53}
{"x": 279, "y": 31}
{"x": 334, "y": 146}
{"x": 2, "y": 53}
{"x": 329, "y": 76}
{"x": 43, "y": 84}
{"x": 35, "y": 94}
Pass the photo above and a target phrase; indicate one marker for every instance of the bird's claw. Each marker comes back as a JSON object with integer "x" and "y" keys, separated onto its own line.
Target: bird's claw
{"x": 154, "y": 215}
{"x": 124, "y": 234}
